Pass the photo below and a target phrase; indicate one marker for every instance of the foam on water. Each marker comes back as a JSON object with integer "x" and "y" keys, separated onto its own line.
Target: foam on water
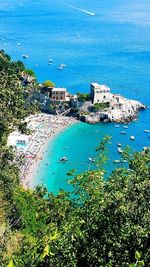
{"x": 82, "y": 10}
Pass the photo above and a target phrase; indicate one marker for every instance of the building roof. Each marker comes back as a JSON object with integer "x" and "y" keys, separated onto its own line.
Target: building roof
{"x": 100, "y": 86}
{"x": 59, "y": 89}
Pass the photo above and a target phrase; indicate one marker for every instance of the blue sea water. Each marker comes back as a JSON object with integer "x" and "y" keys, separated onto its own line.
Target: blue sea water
{"x": 111, "y": 47}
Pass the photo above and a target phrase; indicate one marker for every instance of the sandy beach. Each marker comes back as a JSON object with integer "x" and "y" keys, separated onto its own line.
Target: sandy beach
{"x": 44, "y": 127}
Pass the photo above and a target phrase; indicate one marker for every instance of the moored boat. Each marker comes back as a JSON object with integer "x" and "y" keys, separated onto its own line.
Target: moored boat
{"x": 61, "y": 66}
{"x": 91, "y": 159}
{"x": 119, "y": 144}
{"x": 25, "y": 56}
{"x": 120, "y": 150}
{"x": 116, "y": 161}
{"x": 63, "y": 159}
{"x": 132, "y": 137}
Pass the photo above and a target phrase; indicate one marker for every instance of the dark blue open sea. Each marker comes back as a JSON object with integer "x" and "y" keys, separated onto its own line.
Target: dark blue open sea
{"x": 104, "y": 41}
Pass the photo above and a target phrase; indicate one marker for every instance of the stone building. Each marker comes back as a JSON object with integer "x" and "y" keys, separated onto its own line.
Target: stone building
{"x": 99, "y": 93}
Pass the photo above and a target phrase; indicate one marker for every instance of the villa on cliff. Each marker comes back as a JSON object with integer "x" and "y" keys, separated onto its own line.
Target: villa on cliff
{"x": 101, "y": 94}
{"x": 59, "y": 95}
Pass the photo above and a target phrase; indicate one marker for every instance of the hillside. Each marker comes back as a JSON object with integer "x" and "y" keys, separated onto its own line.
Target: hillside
{"x": 106, "y": 224}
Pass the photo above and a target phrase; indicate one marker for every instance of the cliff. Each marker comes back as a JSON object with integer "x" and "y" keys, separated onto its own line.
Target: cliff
{"x": 123, "y": 112}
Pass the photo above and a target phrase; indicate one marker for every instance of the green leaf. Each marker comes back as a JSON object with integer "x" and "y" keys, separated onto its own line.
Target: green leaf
{"x": 137, "y": 255}
{"x": 140, "y": 264}
{"x": 45, "y": 251}
{"x": 11, "y": 264}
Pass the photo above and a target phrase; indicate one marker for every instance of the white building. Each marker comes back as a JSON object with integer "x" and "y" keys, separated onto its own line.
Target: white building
{"x": 100, "y": 93}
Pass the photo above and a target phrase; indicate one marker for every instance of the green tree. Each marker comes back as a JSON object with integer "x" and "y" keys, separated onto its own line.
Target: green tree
{"x": 48, "y": 84}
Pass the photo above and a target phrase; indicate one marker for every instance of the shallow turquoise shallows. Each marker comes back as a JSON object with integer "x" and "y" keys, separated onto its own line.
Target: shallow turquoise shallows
{"x": 103, "y": 41}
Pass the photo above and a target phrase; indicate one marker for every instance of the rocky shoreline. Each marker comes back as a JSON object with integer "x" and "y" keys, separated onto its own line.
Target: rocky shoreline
{"x": 126, "y": 112}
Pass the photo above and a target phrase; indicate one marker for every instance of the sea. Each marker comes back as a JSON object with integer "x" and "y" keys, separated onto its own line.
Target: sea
{"x": 99, "y": 41}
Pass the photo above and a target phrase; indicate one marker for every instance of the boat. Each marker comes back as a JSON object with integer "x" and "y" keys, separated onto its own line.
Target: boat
{"x": 18, "y": 44}
{"x": 61, "y": 66}
{"x": 25, "y": 56}
{"x": 116, "y": 161}
{"x": 125, "y": 126}
{"x": 132, "y": 137}
{"x": 147, "y": 131}
{"x": 117, "y": 126}
{"x": 63, "y": 159}
{"x": 119, "y": 144}
{"x": 50, "y": 60}
{"x": 122, "y": 132}
{"x": 120, "y": 150}
{"x": 91, "y": 159}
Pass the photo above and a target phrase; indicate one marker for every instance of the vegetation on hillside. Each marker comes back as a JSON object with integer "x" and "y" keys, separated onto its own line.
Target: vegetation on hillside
{"x": 99, "y": 106}
{"x": 105, "y": 224}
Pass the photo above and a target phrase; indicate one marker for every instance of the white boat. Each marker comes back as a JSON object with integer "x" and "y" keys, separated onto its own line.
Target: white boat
{"x": 91, "y": 159}
{"x": 132, "y": 137}
{"x": 61, "y": 66}
{"x": 25, "y": 56}
{"x": 122, "y": 132}
{"x": 63, "y": 159}
{"x": 119, "y": 144}
{"x": 120, "y": 150}
{"x": 147, "y": 131}
{"x": 117, "y": 126}
{"x": 116, "y": 161}
{"x": 125, "y": 126}
{"x": 18, "y": 44}
{"x": 50, "y": 60}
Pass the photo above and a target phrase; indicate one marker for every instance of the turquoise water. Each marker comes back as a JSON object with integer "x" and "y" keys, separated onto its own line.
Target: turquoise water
{"x": 112, "y": 47}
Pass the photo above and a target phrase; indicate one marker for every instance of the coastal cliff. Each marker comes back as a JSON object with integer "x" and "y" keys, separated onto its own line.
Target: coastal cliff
{"x": 124, "y": 112}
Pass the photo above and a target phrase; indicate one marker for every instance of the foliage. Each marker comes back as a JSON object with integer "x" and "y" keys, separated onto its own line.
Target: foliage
{"x": 100, "y": 224}
{"x": 48, "y": 84}
{"x": 99, "y": 106}
{"x": 83, "y": 96}
{"x": 29, "y": 72}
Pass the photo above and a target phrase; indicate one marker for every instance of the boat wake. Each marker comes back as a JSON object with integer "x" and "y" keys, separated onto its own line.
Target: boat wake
{"x": 82, "y": 10}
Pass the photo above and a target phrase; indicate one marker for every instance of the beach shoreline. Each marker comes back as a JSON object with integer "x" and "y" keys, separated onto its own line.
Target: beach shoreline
{"x": 58, "y": 124}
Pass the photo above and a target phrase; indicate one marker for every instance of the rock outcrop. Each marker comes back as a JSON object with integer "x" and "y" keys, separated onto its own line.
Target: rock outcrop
{"x": 125, "y": 112}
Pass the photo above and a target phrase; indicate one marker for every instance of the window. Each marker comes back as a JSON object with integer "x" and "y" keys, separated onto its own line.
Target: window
{"x": 104, "y": 97}
{"x": 56, "y": 98}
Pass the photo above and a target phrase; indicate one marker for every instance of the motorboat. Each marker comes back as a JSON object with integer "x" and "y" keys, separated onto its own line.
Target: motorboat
{"x": 125, "y": 126}
{"x": 116, "y": 161}
{"x": 119, "y": 144}
{"x": 50, "y": 60}
{"x": 120, "y": 150}
{"x": 147, "y": 131}
{"x": 63, "y": 159}
{"x": 61, "y": 66}
{"x": 117, "y": 126}
{"x": 132, "y": 137}
{"x": 91, "y": 159}
{"x": 25, "y": 56}
{"x": 18, "y": 44}
{"x": 122, "y": 132}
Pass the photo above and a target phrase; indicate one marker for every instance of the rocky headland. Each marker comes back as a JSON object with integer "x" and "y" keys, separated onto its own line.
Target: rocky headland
{"x": 124, "y": 112}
